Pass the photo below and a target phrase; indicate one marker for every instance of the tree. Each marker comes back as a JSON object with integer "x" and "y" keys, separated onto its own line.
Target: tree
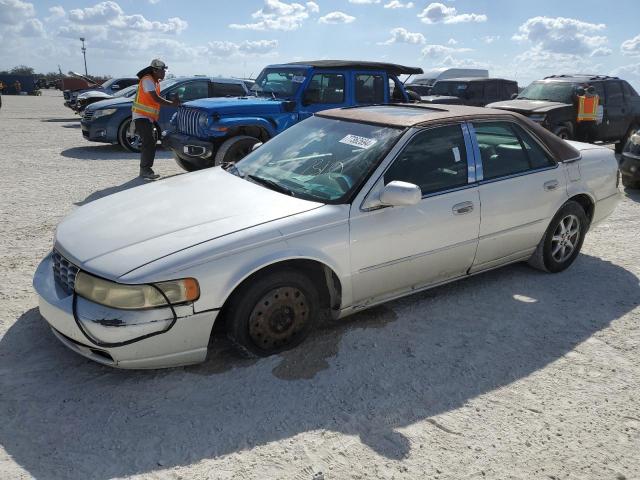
{"x": 22, "y": 70}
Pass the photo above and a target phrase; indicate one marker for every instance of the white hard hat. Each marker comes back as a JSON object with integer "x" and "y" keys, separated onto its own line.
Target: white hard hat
{"x": 159, "y": 64}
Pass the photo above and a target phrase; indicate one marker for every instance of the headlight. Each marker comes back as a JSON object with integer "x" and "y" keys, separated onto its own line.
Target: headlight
{"x": 203, "y": 120}
{"x": 135, "y": 297}
{"x": 104, "y": 112}
{"x": 538, "y": 117}
{"x": 635, "y": 138}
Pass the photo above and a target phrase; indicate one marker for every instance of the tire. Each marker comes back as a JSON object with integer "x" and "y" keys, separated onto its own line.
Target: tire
{"x": 130, "y": 144}
{"x": 620, "y": 145}
{"x": 189, "y": 167}
{"x": 234, "y": 149}
{"x": 563, "y": 132}
{"x": 629, "y": 183}
{"x": 553, "y": 254}
{"x": 273, "y": 313}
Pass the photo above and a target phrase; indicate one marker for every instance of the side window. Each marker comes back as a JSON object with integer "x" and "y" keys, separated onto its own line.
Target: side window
{"x": 369, "y": 88}
{"x": 628, "y": 90}
{"x": 193, "y": 90}
{"x": 491, "y": 91}
{"x": 614, "y": 93}
{"x": 325, "y": 88}
{"x": 475, "y": 91}
{"x": 599, "y": 86}
{"x": 500, "y": 149}
{"x": 227, "y": 90}
{"x": 538, "y": 158}
{"x": 435, "y": 160}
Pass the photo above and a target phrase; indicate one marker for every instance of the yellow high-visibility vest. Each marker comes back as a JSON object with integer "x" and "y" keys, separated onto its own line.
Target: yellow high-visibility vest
{"x": 588, "y": 108}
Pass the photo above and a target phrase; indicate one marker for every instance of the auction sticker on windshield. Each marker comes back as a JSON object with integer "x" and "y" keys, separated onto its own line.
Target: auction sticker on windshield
{"x": 360, "y": 142}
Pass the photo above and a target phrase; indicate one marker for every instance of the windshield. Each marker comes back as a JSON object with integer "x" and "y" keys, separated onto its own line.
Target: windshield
{"x": 549, "y": 91}
{"x": 319, "y": 159}
{"x": 454, "y": 89}
{"x": 279, "y": 82}
{"x": 126, "y": 92}
{"x": 108, "y": 83}
{"x": 164, "y": 84}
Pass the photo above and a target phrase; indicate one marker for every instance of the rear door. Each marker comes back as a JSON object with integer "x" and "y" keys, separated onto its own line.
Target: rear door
{"x": 520, "y": 191}
{"x": 324, "y": 90}
{"x": 616, "y": 116}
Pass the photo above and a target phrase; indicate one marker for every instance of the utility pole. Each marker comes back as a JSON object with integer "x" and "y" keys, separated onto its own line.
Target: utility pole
{"x": 84, "y": 54}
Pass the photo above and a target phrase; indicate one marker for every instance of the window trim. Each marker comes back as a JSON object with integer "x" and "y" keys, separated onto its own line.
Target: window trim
{"x": 480, "y": 176}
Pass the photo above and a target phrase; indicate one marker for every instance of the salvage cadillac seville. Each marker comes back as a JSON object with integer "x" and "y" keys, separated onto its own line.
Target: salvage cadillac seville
{"x": 348, "y": 209}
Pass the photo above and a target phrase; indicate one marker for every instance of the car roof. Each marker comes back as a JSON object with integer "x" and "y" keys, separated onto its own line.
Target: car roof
{"x": 211, "y": 79}
{"x": 577, "y": 78}
{"x": 356, "y": 65}
{"x": 422, "y": 115}
{"x": 473, "y": 79}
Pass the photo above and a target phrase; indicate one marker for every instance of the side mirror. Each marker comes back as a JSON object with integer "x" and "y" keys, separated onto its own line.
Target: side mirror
{"x": 398, "y": 194}
{"x": 514, "y": 96}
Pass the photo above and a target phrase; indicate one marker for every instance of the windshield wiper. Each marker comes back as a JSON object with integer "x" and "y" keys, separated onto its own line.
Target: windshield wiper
{"x": 271, "y": 184}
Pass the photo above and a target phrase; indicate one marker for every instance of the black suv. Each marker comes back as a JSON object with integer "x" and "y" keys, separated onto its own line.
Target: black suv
{"x": 552, "y": 102}
{"x": 476, "y": 92}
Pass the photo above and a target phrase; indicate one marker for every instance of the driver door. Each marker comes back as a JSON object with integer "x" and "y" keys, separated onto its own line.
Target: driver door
{"x": 397, "y": 249}
{"x": 325, "y": 90}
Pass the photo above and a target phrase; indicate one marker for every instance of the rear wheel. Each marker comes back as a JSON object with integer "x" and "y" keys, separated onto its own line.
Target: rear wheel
{"x": 562, "y": 132}
{"x": 633, "y": 129}
{"x": 234, "y": 149}
{"x": 563, "y": 239}
{"x": 274, "y": 313}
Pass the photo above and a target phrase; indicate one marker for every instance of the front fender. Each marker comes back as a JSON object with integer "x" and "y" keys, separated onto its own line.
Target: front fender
{"x": 221, "y": 127}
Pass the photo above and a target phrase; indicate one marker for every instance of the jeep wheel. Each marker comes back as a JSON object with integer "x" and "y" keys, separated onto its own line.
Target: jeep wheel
{"x": 563, "y": 132}
{"x": 187, "y": 166}
{"x": 131, "y": 143}
{"x": 234, "y": 149}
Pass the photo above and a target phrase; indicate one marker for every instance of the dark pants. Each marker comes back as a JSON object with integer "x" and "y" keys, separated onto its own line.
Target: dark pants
{"x": 144, "y": 128}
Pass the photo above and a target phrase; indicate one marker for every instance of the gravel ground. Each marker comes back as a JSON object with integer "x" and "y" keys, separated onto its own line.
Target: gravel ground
{"x": 513, "y": 374}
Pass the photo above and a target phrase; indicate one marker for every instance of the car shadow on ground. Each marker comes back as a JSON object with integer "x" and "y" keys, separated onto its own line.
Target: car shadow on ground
{"x": 633, "y": 194}
{"x": 61, "y": 120}
{"x": 369, "y": 376}
{"x": 108, "y": 152}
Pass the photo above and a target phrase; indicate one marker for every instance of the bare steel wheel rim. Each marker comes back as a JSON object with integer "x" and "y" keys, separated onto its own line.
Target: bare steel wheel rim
{"x": 565, "y": 238}
{"x": 278, "y": 317}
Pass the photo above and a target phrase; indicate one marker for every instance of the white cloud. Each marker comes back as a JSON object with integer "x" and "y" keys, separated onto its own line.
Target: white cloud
{"x": 450, "y": 61}
{"x": 630, "y": 73}
{"x": 437, "y": 51}
{"x": 13, "y": 12}
{"x": 562, "y": 35}
{"x": 364, "y": 2}
{"x": 402, "y": 35}
{"x": 440, "y": 13}
{"x": 56, "y": 13}
{"x": 631, "y": 47}
{"x": 537, "y": 63}
{"x": 452, "y": 41}
{"x": 224, "y": 49}
{"x": 601, "y": 52}
{"x": 277, "y": 15}
{"x": 336, "y": 17}
{"x": 393, "y": 4}
{"x": 258, "y": 46}
{"x": 490, "y": 39}
{"x": 32, "y": 28}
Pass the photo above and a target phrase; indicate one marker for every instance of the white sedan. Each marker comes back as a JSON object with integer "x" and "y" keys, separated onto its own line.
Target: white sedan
{"x": 345, "y": 210}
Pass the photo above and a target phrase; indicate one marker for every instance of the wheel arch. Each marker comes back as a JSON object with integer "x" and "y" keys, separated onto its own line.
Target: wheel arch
{"x": 329, "y": 285}
{"x": 586, "y": 202}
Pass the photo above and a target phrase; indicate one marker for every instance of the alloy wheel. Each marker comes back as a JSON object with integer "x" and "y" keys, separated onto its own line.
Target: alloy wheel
{"x": 565, "y": 238}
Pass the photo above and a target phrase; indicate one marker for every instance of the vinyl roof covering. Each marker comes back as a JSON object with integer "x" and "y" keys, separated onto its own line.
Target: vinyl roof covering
{"x": 423, "y": 115}
{"x": 355, "y": 65}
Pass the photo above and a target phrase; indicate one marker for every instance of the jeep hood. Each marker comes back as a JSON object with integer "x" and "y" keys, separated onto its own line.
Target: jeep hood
{"x": 239, "y": 105}
{"x": 528, "y": 106}
{"x": 121, "y": 232}
{"x": 446, "y": 99}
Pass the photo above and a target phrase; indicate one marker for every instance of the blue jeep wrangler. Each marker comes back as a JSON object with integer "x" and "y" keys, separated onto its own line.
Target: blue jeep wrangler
{"x": 209, "y": 132}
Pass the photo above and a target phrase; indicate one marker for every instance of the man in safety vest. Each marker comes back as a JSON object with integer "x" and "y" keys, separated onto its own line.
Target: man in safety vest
{"x": 145, "y": 111}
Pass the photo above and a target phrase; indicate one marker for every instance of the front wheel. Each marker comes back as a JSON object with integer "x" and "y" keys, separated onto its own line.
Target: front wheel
{"x": 563, "y": 239}
{"x": 563, "y": 132}
{"x": 235, "y": 149}
{"x": 131, "y": 141}
{"x": 275, "y": 312}
{"x": 189, "y": 167}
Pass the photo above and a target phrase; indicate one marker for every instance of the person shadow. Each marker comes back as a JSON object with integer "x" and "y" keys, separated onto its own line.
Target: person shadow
{"x": 365, "y": 378}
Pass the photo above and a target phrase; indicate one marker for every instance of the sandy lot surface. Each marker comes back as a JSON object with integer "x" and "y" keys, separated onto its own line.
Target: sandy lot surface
{"x": 513, "y": 374}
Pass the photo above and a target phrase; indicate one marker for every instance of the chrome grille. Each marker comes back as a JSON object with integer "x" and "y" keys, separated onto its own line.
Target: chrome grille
{"x": 64, "y": 272}
{"x": 188, "y": 121}
{"x": 88, "y": 115}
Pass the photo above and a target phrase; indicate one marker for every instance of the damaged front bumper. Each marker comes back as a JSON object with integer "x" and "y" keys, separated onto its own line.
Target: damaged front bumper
{"x": 153, "y": 338}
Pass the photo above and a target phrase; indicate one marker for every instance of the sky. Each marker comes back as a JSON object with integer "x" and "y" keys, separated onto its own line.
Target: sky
{"x": 516, "y": 39}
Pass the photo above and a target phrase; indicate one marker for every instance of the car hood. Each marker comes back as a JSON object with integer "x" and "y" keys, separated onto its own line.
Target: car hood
{"x": 117, "y": 102}
{"x": 451, "y": 100}
{"x": 94, "y": 94}
{"x": 528, "y": 106}
{"x": 119, "y": 233}
{"x": 239, "y": 105}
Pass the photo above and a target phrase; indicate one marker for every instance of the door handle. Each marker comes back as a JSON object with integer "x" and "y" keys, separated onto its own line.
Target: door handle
{"x": 462, "y": 208}
{"x": 551, "y": 185}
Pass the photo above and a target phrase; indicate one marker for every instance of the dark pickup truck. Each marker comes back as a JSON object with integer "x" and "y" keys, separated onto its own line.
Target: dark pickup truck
{"x": 553, "y": 103}
{"x": 476, "y": 92}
